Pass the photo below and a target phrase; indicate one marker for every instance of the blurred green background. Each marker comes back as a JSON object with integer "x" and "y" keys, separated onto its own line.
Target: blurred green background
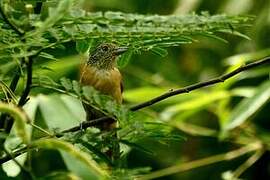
{"x": 148, "y": 75}
{"x": 199, "y": 116}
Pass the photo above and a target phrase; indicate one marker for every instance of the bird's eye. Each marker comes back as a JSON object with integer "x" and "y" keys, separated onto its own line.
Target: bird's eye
{"x": 105, "y": 48}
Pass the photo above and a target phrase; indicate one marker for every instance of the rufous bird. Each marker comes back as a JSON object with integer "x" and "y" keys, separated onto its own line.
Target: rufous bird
{"x": 100, "y": 71}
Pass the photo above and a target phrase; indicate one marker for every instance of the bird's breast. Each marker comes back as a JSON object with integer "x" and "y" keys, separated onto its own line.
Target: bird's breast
{"x": 106, "y": 81}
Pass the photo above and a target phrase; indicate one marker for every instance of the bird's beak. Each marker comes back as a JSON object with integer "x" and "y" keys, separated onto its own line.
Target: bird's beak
{"x": 120, "y": 50}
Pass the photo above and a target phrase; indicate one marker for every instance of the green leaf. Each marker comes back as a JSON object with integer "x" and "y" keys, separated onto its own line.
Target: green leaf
{"x": 159, "y": 51}
{"x": 137, "y": 95}
{"x": 58, "y": 111}
{"x": 248, "y": 107}
{"x": 60, "y": 67}
{"x": 141, "y": 94}
{"x": 59, "y": 175}
{"x": 196, "y": 103}
{"x": 47, "y": 56}
{"x": 74, "y": 152}
{"x": 88, "y": 93}
{"x": 94, "y": 150}
{"x": 247, "y": 57}
{"x": 213, "y": 36}
{"x": 236, "y": 33}
{"x": 77, "y": 12}
{"x": 11, "y": 168}
{"x": 82, "y": 46}
{"x": 76, "y": 87}
{"x": 124, "y": 59}
{"x": 55, "y": 14}
{"x": 66, "y": 83}
{"x": 137, "y": 146}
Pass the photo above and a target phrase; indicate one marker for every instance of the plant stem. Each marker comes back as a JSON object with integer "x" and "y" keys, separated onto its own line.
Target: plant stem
{"x": 29, "y": 66}
{"x": 237, "y": 173}
{"x": 201, "y": 162}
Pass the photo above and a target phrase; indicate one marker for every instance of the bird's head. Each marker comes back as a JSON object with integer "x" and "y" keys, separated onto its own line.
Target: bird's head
{"x": 104, "y": 56}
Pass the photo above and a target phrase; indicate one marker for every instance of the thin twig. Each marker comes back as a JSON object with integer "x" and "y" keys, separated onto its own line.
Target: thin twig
{"x": 15, "y": 160}
{"x": 187, "y": 89}
{"x": 42, "y": 130}
{"x": 249, "y": 162}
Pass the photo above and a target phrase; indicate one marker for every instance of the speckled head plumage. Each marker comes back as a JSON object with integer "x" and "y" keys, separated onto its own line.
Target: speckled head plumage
{"x": 104, "y": 56}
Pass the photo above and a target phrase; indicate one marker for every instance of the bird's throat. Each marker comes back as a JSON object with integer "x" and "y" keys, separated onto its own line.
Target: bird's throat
{"x": 102, "y": 64}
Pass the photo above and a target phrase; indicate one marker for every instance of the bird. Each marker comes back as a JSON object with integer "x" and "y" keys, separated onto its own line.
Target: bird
{"x": 100, "y": 71}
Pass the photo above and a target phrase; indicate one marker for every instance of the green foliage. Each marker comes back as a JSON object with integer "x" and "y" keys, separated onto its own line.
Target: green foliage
{"x": 44, "y": 127}
{"x": 20, "y": 121}
{"x": 139, "y": 32}
{"x": 249, "y": 106}
{"x": 72, "y": 151}
{"x": 98, "y": 101}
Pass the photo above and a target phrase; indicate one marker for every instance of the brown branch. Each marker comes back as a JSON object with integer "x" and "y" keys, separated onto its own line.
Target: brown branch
{"x": 164, "y": 96}
{"x": 27, "y": 88}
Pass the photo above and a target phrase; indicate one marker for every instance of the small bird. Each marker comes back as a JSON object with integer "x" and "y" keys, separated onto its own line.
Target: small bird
{"x": 100, "y": 72}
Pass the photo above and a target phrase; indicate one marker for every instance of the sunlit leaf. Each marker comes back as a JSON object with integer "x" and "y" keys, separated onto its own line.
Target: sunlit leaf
{"x": 11, "y": 168}
{"x": 124, "y": 59}
{"x": 159, "y": 51}
{"x": 47, "y": 56}
{"x": 249, "y": 106}
{"x": 76, "y": 87}
{"x": 140, "y": 94}
{"x": 236, "y": 33}
{"x": 55, "y": 14}
{"x": 71, "y": 150}
{"x": 66, "y": 83}
{"x": 57, "y": 114}
{"x": 200, "y": 102}
{"x": 82, "y": 46}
